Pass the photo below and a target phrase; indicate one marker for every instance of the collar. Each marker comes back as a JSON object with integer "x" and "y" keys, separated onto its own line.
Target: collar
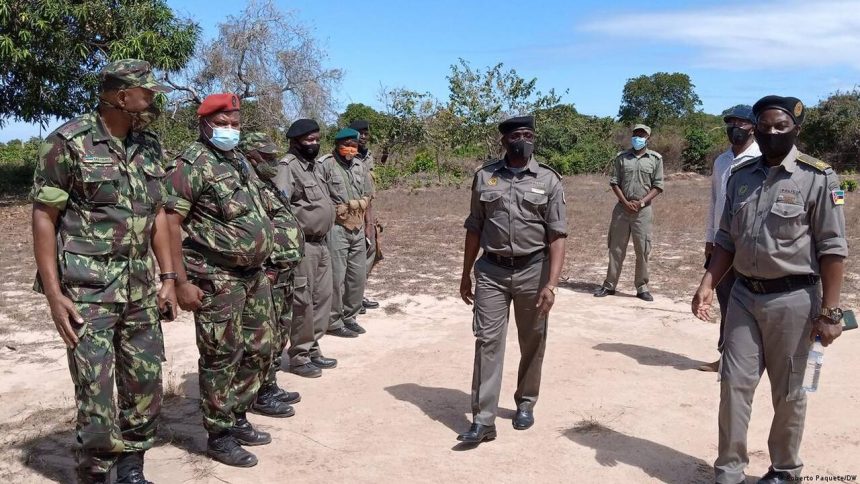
{"x": 752, "y": 151}
{"x": 531, "y": 165}
{"x": 100, "y": 132}
{"x": 789, "y": 162}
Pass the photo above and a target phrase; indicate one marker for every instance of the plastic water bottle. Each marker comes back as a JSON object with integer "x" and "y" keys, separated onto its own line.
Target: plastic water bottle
{"x": 813, "y": 366}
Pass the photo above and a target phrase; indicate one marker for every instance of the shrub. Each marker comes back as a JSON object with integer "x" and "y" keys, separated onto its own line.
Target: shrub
{"x": 849, "y": 185}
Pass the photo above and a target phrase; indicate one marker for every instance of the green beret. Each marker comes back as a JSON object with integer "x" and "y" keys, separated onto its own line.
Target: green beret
{"x": 256, "y": 141}
{"x": 346, "y": 133}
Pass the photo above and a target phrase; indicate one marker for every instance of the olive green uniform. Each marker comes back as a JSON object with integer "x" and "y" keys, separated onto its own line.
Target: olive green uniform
{"x": 635, "y": 176}
{"x": 777, "y": 222}
{"x": 516, "y": 215}
{"x": 369, "y": 163}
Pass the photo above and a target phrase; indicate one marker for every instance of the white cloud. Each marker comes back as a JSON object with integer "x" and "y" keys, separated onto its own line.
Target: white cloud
{"x": 788, "y": 34}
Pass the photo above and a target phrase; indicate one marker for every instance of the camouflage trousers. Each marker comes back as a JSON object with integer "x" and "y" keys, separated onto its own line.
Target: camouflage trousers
{"x": 234, "y": 338}
{"x": 282, "y": 306}
{"x": 122, "y": 343}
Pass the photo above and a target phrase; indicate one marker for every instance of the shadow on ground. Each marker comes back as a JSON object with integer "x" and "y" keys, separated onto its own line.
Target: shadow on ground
{"x": 444, "y": 405}
{"x": 645, "y": 355}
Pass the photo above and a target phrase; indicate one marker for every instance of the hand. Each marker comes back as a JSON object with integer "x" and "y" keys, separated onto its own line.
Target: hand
{"x": 166, "y": 299}
{"x": 466, "y": 289}
{"x": 828, "y": 332}
{"x": 190, "y": 296}
{"x": 632, "y": 206}
{"x": 703, "y": 300}
{"x": 709, "y": 249}
{"x": 546, "y": 298}
{"x": 63, "y": 312}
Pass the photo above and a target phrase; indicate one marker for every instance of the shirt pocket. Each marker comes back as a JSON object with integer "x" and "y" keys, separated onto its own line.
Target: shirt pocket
{"x": 493, "y": 203}
{"x": 232, "y": 200}
{"x": 85, "y": 262}
{"x": 100, "y": 182}
{"x": 787, "y": 221}
{"x": 534, "y": 206}
{"x": 154, "y": 174}
{"x": 312, "y": 190}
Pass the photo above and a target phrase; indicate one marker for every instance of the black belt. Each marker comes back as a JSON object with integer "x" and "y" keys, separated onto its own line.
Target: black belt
{"x": 517, "y": 262}
{"x": 782, "y": 284}
{"x": 314, "y": 239}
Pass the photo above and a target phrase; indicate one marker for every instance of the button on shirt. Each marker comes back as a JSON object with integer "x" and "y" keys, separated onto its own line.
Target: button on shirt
{"x": 637, "y": 175}
{"x": 722, "y": 169}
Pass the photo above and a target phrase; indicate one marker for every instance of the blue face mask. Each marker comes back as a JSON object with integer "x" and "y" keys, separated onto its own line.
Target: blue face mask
{"x": 639, "y": 142}
{"x": 225, "y": 139}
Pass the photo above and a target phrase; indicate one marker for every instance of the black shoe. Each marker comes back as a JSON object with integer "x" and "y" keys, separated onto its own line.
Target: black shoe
{"x": 353, "y": 326}
{"x": 645, "y": 296}
{"x": 225, "y": 449}
{"x": 367, "y": 303}
{"x": 130, "y": 469}
{"x": 362, "y": 310}
{"x": 246, "y": 434}
{"x": 323, "y": 362}
{"x": 93, "y": 477}
{"x": 290, "y": 398}
{"x": 342, "y": 333}
{"x": 604, "y": 291}
{"x": 478, "y": 433}
{"x": 524, "y": 419}
{"x": 267, "y": 403}
{"x": 778, "y": 477}
{"x": 308, "y": 370}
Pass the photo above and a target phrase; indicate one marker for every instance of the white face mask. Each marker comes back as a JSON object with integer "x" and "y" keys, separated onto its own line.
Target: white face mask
{"x": 225, "y": 139}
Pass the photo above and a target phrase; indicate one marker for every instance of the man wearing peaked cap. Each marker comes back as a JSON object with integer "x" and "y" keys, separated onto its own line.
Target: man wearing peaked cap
{"x": 785, "y": 237}
{"x": 97, "y": 220}
{"x": 300, "y": 177}
{"x": 517, "y": 216}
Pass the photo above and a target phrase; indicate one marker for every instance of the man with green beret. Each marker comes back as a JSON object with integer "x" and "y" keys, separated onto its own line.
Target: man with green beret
{"x": 351, "y": 190}
{"x": 97, "y": 221}
{"x": 289, "y": 247}
{"x": 371, "y": 223}
{"x": 783, "y": 231}
{"x": 637, "y": 179}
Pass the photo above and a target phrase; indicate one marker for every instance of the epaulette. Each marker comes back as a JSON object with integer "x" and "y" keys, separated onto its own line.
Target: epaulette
{"x": 544, "y": 165}
{"x": 488, "y": 163}
{"x": 325, "y": 157}
{"x": 812, "y": 161}
{"x": 287, "y": 159}
{"x": 74, "y": 127}
{"x": 652, "y": 152}
{"x": 192, "y": 153}
{"x": 745, "y": 163}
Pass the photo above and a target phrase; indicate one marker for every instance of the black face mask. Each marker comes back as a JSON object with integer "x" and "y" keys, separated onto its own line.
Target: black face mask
{"x": 775, "y": 145}
{"x": 310, "y": 152}
{"x": 521, "y": 149}
{"x": 737, "y": 135}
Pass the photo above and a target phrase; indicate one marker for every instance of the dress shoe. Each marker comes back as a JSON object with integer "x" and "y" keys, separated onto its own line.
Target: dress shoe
{"x": 367, "y": 303}
{"x": 285, "y": 396}
{"x": 246, "y": 434}
{"x": 323, "y": 362}
{"x": 524, "y": 419}
{"x": 267, "y": 403}
{"x": 225, "y": 449}
{"x": 778, "y": 477}
{"x": 353, "y": 326}
{"x": 645, "y": 296}
{"x": 604, "y": 291}
{"x": 712, "y": 367}
{"x": 362, "y": 310}
{"x": 342, "y": 332}
{"x": 478, "y": 433}
{"x": 308, "y": 370}
{"x": 129, "y": 467}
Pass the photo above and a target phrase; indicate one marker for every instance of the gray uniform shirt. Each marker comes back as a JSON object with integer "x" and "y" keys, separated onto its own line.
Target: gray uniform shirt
{"x": 637, "y": 175}
{"x": 345, "y": 183}
{"x": 779, "y": 221}
{"x": 309, "y": 195}
{"x": 516, "y": 214}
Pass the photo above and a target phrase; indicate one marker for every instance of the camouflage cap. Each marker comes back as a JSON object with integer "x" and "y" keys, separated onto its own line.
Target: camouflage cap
{"x": 128, "y": 73}
{"x": 257, "y": 141}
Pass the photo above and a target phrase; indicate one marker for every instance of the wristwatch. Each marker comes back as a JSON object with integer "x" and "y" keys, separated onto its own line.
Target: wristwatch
{"x": 552, "y": 289}
{"x": 167, "y": 275}
{"x": 833, "y": 314}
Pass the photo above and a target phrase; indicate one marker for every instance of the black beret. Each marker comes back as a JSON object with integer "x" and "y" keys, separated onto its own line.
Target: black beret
{"x": 513, "y": 124}
{"x": 790, "y": 105}
{"x": 359, "y": 124}
{"x": 301, "y": 127}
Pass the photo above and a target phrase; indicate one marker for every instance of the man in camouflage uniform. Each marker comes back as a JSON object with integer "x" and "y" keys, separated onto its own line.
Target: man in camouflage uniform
{"x": 289, "y": 248}
{"x": 371, "y": 230}
{"x": 351, "y": 191}
{"x": 97, "y": 220}
{"x": 215, "y": 196}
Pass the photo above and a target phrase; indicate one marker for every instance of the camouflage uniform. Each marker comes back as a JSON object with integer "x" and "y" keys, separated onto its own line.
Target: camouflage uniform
{"x": 108, "y": 192}
{"x": 229, "y": 238}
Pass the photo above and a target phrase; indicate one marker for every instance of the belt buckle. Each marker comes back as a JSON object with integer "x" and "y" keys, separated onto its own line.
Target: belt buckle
{"x": 757, "y": 286}
{"x": 510, "y": 260}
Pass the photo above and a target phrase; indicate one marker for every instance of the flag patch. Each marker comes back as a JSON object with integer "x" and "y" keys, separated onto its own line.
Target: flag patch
{"x": 838, "y": 197}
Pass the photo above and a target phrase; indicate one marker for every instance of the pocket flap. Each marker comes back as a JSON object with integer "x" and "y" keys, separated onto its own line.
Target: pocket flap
{"x": 153, "y": 169}
{"x": 98, "y": 172}
{"x": 309, "y": 183}
{"x": 536, "y": 198}
{"x": 300, "y": 282}
{"x": 787, "y": 210}
{"x": 82, "y": 246}
{"x": 490, "y": 196}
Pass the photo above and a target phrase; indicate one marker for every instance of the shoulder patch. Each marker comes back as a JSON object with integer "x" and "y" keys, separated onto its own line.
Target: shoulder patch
{"x": 812, "y": 161}
{"x": 745, "y": 163}
{"x": 74, "y": 128}
{"x": 544, "y": 165}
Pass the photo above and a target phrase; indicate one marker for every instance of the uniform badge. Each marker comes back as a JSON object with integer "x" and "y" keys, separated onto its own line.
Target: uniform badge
{"x": 492, "y": 181}
{"x": 838, "y": 197}
{"x": 743, "y": 190}
{"x": 798, "y": 109}
{"x": 539, "y": 190}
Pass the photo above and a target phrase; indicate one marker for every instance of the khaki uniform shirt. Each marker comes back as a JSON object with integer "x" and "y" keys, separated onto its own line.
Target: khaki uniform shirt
{"x": 516, "y": 214}
{"x": 637, "y": 175}
{"x": 779, "y": 221}
{"x": 304, "y": 183}
{"x": 346, "y": 182}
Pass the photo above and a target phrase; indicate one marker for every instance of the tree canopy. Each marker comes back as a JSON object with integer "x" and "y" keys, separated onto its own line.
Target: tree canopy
{"x": 658, "y": 98}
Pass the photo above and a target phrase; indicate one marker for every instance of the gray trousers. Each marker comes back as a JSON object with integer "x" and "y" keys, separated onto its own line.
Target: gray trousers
{"x": 724, "y": 292}
{"x": 622, "y": 226}
{"x": 371, "y": 255}
{"x": 348, "y": 272}
{"x": 311, "y": 304}
{"x": 495, "y": 288}
{"x": 764, "y": 332}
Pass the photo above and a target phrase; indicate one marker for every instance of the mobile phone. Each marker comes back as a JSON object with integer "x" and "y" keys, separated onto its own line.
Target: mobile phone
{"x": 849, "y": 321}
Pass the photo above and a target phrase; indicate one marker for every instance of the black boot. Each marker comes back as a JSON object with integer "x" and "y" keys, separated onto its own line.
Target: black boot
{"x": 267, "y": 403}
{"x": 129, "y": 469}
{"x": 224, "y": 448}
{"x": 246, "y": 434}
{"x": 285, "y": 396}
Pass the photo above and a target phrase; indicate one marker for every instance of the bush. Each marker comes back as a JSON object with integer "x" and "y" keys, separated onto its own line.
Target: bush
{"x": 848, "y": 185}
{"x": 695, "y": 155}
{"x": 423, "y": 162}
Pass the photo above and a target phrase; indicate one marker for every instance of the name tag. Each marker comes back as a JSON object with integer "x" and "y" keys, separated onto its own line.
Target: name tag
{"x": 539, "y": 190}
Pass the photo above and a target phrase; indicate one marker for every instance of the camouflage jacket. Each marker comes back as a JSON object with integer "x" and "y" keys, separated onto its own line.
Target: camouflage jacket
{"x": 289, "y": 240}
{"x": 108, "y": 192}
{"x": 218, "y": 194}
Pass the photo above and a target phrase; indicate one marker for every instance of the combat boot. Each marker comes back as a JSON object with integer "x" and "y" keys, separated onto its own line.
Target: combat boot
{"x": 224, "y": 448}
{"x": 129, "y": 469}
{"x": 267, "y": 403}
{"x": 246, "y": 434}
{"x": 285, "y": 396}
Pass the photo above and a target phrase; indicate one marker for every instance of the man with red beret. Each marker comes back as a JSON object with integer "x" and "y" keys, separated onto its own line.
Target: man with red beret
{"x": 215, "y": 198}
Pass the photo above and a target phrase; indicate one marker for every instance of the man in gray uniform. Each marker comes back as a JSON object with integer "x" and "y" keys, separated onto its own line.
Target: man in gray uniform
{"x": 784, "y": 230}
{"x": 637, "y": 179}
{"x": 365, "y": 156}
{"x": 351, "y": 191}
{"x": 299, "y": 176}
{"x": 517, "y": 216}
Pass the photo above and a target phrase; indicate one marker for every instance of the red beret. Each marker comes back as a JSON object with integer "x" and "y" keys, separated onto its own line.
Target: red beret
{"x": 217, "y": 103}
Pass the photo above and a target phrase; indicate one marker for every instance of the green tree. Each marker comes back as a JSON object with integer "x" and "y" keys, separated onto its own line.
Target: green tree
{"x": 658, "y": 98}
{"x": 571, "y": 142}
{"x": 831, "y": 130}
{"x": 51, "y": 50}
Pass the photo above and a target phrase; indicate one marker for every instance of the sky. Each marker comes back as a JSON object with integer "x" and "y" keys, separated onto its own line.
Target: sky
{"x": 734, "y": 51}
